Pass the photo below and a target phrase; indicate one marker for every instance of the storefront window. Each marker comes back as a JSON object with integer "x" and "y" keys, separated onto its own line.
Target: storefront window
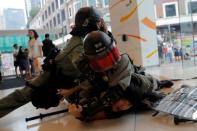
{"x": 170, "y": 9}
{"x": 192, "y": 7}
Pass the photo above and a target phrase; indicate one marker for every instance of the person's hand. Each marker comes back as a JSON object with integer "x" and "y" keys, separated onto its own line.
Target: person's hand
{"x": 75, "y": 110}
{"x": 68, "y": 92}
{"x": 121, "y": 105}
{"x": 64, "y": 92}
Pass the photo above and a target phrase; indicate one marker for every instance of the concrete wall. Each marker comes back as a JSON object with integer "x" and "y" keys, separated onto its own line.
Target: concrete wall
{"x": 136, "y": 20}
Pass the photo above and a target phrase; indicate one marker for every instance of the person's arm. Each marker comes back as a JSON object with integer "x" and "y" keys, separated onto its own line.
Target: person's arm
{"x": 68, "y": 92}
{"x": 84, "y": 85}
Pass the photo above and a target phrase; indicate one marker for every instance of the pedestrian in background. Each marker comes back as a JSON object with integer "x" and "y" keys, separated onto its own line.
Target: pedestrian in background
{"x": 35, "y": 51}
{"x": 23, "y": 63}
{"x": 48, "y": 45}
{"x": 15, "y": 53}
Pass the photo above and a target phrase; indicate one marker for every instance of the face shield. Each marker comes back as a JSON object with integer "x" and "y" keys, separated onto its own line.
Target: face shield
{"x": 106, "y": 61}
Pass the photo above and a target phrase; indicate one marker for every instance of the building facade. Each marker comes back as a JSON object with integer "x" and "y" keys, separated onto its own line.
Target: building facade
{"x": 60, "y": 13}
{"x": 176, "y": 22}
{"x": 29, "y": 4}
{"x": 14, "y": 19}
{"x": 1, "y": 20}
{"x": 179, "y": 15}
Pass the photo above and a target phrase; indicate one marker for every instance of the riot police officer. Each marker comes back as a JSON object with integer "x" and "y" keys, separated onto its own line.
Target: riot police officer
{"x": 63, "y": 71}
{"x": 114, "y": 86}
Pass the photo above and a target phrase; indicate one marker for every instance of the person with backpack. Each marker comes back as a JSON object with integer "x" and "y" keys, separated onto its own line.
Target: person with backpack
{"x": 23, "y": 63}
{"x": 15, "y": 53}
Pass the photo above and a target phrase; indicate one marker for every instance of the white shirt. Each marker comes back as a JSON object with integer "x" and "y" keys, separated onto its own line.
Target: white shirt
{"x": 34, "y": 48}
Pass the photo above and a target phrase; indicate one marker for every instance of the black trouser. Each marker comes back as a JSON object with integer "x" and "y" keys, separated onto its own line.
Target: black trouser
{"x": 0, "y": 77}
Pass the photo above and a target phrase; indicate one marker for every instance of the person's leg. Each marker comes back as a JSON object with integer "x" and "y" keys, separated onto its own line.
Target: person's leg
{"x": 151, "y": 84}
{"x": 155, "y": 83}
{"x": 170, "y": 57}
{"x": 15, "y": 67}
{"x": 20, "y": 97}
{"x": 28, "y": 74}
{"x": 148, "y": 82}
{"x": 164, "y": 84}
{"x": 153, "y": 97}
{"x": 27, "y": 70}
{"x": 41, "y": 79}
{"x": 21, "y": 72}
{"x": 0, "y": 76}
{"x": 14, "y": 100}
{"x": 16, "y": 72}
{"x": 36, "y": 66}
{"x": 31, "y": 67}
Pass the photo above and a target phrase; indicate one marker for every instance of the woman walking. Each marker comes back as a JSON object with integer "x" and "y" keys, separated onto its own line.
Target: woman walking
{"x": 35, "y": 51}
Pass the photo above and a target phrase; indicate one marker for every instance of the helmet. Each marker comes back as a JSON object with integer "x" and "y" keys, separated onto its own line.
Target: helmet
{"x": 101, "y": 51}
{"x": 86, "y": 16}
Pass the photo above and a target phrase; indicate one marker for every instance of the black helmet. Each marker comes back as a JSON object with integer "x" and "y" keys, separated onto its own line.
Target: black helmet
{"x": 101, "y": 50}
{"x": 86, "y": 21}
{"x": 87, "y": 15}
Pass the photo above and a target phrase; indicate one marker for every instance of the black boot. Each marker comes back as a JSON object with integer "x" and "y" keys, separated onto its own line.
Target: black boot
{"x": 152, "y": 99}
{"x": 155, "y": 96}
{"x": 0, "y": 77}
{"x": 164, "y": 83}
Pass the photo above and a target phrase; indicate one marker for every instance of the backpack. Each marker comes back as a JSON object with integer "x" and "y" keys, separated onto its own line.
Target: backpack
{"x": 46, "y": 95}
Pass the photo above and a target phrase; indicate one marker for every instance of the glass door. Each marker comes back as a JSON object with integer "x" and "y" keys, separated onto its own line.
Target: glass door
{"x": 186, "y": 37}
